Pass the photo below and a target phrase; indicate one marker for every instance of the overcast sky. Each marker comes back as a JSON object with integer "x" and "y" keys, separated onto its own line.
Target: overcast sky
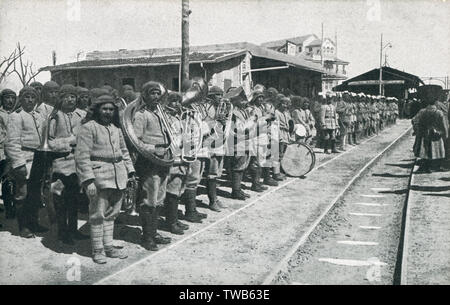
{"x": 418, "y": 30}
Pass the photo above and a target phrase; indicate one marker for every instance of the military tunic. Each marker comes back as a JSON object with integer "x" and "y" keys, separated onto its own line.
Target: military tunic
{"x": 149, "y": 129}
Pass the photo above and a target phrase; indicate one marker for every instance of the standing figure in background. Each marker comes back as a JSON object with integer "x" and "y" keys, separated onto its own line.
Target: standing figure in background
{"x": 24, "y": 133}
{"x": 430, "y": 129}
{"x": 329, "y": 124}
{"x": 64, "y": 127}
{"x": 8, "y": 100}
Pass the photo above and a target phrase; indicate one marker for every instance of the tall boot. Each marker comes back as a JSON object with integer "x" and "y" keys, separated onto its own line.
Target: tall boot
{"x": 343, "y": 142}
{"x": 191, "y": 213}
{"x": 159, "y": 239}
{"x": 355, "y": 138}
{"x": 267, "y": 179}
{"x": 7, "y": 195}
{"x": 34, "y": 218}
{"x": 333, "y": 147}
{"x": 326, "y": 146}
{"x": 22, "y": 219}
{"x": 61, "y": 220}
{"x": 172, "y": 212}
{"x": 97, "y": 243}
{"x": 72, "y": 214}
{"x": 212, "y": 195}
{"x": 256, "y": 181}
{"x": 145, "y": 216}
{"x": 236, "y": 192}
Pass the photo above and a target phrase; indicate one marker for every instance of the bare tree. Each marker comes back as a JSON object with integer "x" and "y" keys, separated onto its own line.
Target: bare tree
{"x": 25, "y": 70}
{"x": 7, "y": 63}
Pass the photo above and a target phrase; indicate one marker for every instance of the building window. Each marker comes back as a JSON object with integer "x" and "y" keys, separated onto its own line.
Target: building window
{"x": 128, "y": 81}
{"x": 300, "y": 49}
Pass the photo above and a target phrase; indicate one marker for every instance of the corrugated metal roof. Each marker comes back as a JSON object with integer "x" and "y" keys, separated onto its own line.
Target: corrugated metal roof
{"x": 171, "y": 56}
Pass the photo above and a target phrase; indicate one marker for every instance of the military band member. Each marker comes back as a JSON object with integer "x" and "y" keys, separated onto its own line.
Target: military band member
{"x": 63, "y": 129}
{"x": 50, "y": 95}
{"x": 283, "y": 117}
{"x": 215, "y": 165}
{"x": 149, "y": 129}
{"x": 238, "y": 143}
{"x": 7, "y": 102}
{"x": 341, "y": 110}
{"x": 84, "y": 98}
{"x": 103, "y": 166}
{"x": 259, "y": 142}
{"x": 197, "y": 167}
{"x": 177, "y": 179}
{"x": 329, "y": 124}
{"x": 304, "y": 116}
{"x": 24, "y": 132}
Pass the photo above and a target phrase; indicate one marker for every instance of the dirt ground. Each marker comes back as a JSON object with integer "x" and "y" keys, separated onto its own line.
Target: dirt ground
{"x": 239, "y": 245}
{"x": 428, "y": 231}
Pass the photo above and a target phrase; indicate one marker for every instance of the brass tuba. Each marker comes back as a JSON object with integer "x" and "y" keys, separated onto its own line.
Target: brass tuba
{"x": 143, "y": 149}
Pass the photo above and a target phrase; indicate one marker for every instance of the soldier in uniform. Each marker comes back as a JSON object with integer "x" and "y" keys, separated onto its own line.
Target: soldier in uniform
{"x": 50, "y": 94}
{"x": 347, "y": 118}
{"x": 214, "y": 166}
{"x": 259, "y": 144}
{"x": 103, "y": 166}
{"x": 38, "y": 87}
{"x": 84, "y": 98}
{"x": 178, "y": 172}
{"x": 7, "y": 102}
{"x": 24, "y": 132}
{"x": 341, "y": 109}
{"x": 283, "y": 116}
{"x": 359, "y": 126}
{"x": 149, "y": 130}
{"x": 238, "y": 144}
{"x": 63, "y": 129}
{"x": 197, "y": 167}
{"x": 365, "y": 115}
{"x": 329, "y": 124}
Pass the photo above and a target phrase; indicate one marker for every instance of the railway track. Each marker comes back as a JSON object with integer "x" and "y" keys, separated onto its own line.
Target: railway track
{"x": 338, "y": 247}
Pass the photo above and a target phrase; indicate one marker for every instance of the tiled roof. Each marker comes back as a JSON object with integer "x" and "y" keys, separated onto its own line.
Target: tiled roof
{"x": 171, "y": 56}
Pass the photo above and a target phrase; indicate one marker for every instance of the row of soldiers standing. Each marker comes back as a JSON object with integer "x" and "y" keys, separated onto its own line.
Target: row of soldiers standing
{"x": 348, "y": 117}
{"x": 85, "y": 125}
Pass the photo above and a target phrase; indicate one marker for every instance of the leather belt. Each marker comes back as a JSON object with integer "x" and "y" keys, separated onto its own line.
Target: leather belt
{"x": 28, "y": 149}
{"x": 107, "y": 159}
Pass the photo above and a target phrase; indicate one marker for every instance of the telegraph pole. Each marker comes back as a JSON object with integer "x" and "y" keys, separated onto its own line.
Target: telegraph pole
{"x": 380, "y": 91}
{"x": 184, "y": 63}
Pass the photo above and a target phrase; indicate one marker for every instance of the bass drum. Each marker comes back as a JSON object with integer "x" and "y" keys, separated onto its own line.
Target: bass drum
{"x": 298, "y": 160}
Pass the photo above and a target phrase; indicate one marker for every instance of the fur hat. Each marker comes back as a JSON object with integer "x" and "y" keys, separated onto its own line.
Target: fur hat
{"x": 7, "y": 92}
{"x": 50, "y": 85}
{"x": 67, "y": 89}
{"x": 36, "y": 84}
{"x": 103, "y": 99}
{"x": 27, "y": 90}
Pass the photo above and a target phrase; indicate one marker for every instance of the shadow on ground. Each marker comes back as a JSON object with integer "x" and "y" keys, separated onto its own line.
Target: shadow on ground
{"x": 430, "y": 188}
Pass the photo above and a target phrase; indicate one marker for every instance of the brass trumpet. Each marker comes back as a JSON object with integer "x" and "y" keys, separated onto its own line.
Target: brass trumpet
{"x": 192, "y": 134}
